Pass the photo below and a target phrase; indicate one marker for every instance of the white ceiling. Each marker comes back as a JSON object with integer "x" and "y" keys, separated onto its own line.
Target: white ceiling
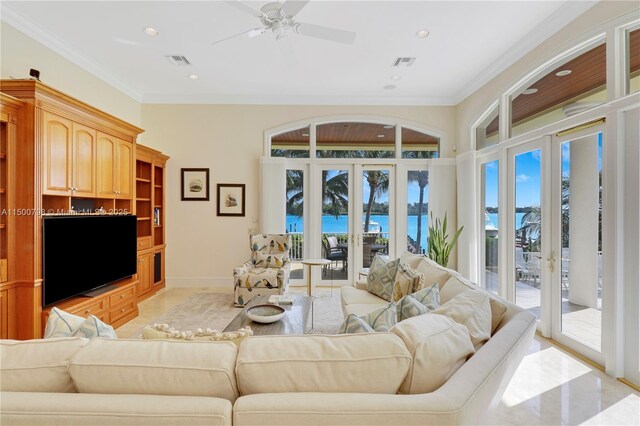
{"x": 469, "y": 43}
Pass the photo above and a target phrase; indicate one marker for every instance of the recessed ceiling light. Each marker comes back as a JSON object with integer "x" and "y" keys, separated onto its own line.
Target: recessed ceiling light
{"x": 389, "y": 126}
{"x": 305, "y": 134}
{"x": 150, "y": 31}
{"x": 395, "y": 77}
{"x": 530, "y": 91}
{"x": 193, "y": 77}
{"x": 381, "y": 136}
{"x": 389, "y": 87}
{"x": 563, "y": 73}
{"x": 422, "y": 33}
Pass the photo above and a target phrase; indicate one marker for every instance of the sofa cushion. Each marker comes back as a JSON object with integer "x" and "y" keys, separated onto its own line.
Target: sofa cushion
{"x": 439, "y": 347}
{"x": 473, "y": 310}
{"x": 458, "y": 284}
{"x": 371, "y": 363}
{"x": 411, "y": 259}
{"x": 61, "y": 323}
{"x": 428, "y": 296}
{"x": 20, "y": 408}
{"x": 408, "y": 307}
{"x": 382, "y": 277}
{"x": 354, "y": 324}
{"x": 156, "y": 367}
{"x": 406, "y": 282}
{"x": 433, "y": 273}
{"x": 362, "y": 309}
{"x": 351, "y": 296}
{"x": 39, "y": 365}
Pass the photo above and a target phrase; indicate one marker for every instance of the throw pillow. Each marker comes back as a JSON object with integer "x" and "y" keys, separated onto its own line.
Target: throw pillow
{"x": 407, "y": 281}
{"x": 473, "y": 310}
{"x": 382, "y": 277}
{"x": 92, "y": 327}
{"x": 379, "y": 320}
{"x": 408, "y": 307}
{"x": 428, "y": 296}
{"x": 61, "y": 324}
{"x": 355, "y": 324}
{"x": 164, "y": 331}
{"x": 433, "y": 273}
{"x": 265, "y": 260}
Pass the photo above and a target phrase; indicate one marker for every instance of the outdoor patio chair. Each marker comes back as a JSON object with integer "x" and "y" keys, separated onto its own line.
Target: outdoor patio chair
{"x": 332, "y": 252}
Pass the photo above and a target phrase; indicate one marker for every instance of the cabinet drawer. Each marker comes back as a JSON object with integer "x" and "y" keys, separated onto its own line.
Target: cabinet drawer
{"x": 94, "y": 308}
{"x": 121, "y": 311}
{"x": 125, "y": 296}
{"x": 144, "y": 243}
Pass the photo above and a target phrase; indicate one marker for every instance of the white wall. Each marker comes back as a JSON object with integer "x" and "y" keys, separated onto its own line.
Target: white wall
{"x": 20, "y": 53}
{"x": 203, "y": 249}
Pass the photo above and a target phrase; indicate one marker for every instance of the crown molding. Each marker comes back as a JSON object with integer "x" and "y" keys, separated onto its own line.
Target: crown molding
{"x": 558, "y": 20}
{"x": 49, "y": 40}
{"x": 293, "y": 100}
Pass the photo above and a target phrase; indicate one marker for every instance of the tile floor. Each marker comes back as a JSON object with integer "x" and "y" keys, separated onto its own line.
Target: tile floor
{"x": 551, "y": 387}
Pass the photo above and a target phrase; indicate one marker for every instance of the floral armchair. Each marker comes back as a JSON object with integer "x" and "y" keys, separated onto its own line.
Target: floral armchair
{"x": 267, "y": 272}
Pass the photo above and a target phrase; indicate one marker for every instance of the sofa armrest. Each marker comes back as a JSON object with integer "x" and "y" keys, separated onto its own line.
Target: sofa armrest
{"x": 241, "y": 270}
{"x": 361, "y": 284}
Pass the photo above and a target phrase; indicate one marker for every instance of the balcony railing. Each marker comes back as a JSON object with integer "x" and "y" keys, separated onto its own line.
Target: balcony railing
{"x": 296, "y": 251}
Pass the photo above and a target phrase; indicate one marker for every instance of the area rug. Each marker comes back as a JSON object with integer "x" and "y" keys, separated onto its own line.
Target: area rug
{"x": 216, "y": 311}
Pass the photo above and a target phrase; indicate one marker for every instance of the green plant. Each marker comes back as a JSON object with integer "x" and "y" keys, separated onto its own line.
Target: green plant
{"x": 439, "y": 247}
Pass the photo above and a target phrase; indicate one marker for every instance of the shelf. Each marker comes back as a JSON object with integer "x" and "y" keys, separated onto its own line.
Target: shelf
{"x": 157, "y": 226}
{"x": 3, "y": 155}
{"x": 2, "y": 225}
{"x": 157, "y": 186}
{"x": 144, "y": 218}
{"x": 2, "y": 190}
{"x": 143, "y": 199}
{"x": 138, "y": 179}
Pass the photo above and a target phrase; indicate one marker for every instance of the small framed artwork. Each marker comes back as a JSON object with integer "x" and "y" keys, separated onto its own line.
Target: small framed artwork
{"x": 230, "y": 199}
{"x": 195, "y": 184}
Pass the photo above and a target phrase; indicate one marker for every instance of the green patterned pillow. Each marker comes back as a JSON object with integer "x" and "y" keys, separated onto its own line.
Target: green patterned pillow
{"x": 428, "y": 296}
{"x": 382, "y": 277}
{"x": 264, "y": 260}
{"x": 409, "y": 307}
{"x": 93, "y": 327}
{"x": 61, "y": 324}
{"x": 407, "y": 281}
{"x": 355, "y": 324}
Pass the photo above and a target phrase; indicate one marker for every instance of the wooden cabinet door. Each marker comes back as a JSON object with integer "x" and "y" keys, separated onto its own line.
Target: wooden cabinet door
{"x": 145, "y": 278}
{"x": 84, "y": 161}
{"x": 4, "y": 314}
{"x": 57, "y": 155}
{"x": 124, "y": 170}
{"x": 106, "y": 166}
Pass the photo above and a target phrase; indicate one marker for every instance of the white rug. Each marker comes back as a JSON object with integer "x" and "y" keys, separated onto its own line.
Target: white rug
{"x": 216, "y": 311}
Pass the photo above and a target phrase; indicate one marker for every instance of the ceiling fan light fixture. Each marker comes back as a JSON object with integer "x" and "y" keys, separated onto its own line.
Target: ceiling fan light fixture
{"x": 422, "y": 33}
{"x": 150, "y": 31}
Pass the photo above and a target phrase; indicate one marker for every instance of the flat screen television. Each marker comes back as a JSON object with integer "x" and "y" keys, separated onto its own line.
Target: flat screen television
{"x": 83, "y": 253}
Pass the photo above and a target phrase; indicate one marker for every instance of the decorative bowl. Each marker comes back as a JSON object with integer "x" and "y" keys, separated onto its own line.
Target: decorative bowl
{"x": 264, "y": 313}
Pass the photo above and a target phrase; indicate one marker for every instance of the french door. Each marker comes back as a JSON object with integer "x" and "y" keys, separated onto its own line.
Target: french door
{"x": 576, "y": 244}
{"x": 354, "y": 218}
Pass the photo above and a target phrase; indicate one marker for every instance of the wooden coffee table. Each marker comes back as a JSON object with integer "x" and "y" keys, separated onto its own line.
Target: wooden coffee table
{"x": 293, "y": 322}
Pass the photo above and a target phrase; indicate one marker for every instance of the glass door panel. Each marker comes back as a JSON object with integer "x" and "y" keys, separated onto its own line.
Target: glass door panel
{"x": 376, "y": 207}
{"x": 335, "y": 224}
{"x": 527, "y": 230}
{"x": 489, "y": 220}
{"x": 579, "y": 262}
{"x": 417, "y": 211}
{"x": 295, "y": 221}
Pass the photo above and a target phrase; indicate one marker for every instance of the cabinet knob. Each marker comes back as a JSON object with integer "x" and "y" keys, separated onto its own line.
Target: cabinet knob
{"x": 122, "y": 310}
{"x": 122, "y": 296}
{"x": 87, "y": 311}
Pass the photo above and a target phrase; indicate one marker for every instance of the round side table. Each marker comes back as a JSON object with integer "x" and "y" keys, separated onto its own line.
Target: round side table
{"x": 310, "y": 263}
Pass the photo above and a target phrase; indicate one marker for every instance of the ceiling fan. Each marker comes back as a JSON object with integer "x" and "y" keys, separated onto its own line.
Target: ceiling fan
{"x": 278, "y": 18}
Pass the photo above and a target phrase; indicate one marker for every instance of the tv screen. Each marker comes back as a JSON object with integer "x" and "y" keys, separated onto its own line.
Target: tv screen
{"x": 83, "y": 253}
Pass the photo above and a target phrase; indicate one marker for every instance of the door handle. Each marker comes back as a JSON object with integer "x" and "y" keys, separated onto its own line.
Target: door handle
{"x": 552, "y": 261}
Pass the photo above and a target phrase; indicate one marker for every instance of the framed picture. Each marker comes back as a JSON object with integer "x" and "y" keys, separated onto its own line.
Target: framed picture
{"x": 231, "y": 199}
{"x": 195, "y": 184}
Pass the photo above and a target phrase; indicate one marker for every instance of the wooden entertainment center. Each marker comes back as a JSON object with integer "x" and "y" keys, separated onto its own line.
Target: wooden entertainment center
{"x": 59, "y": 155}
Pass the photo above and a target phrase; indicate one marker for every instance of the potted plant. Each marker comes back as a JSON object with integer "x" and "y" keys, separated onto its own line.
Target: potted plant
{"x": 439, "y": 247}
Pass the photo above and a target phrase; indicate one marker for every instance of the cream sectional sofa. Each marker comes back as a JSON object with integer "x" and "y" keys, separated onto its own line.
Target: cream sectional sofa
{"x": 390, "y": 378}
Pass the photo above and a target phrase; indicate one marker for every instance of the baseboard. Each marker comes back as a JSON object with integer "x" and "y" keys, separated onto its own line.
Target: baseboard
{"x": 214, "y": 282}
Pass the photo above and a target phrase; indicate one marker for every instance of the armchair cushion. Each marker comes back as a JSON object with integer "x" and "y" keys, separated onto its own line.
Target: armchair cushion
{"x": 264, "y": 260}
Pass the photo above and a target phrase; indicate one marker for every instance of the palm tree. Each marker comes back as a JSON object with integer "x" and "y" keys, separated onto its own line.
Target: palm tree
{"x": 422, "y": 178}
{"x": 295, "y": 192}
{"x": 378, "y": 181}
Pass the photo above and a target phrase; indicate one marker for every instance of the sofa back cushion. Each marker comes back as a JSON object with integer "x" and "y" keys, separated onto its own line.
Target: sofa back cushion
{"x": 473, "y": 310}
{"x": 433, "y": 273}
{"x": 156, "y": 367}
{"x": 439, "y": 347}
{"x": 39, "y": 365}
{"x": 369, "y": 363}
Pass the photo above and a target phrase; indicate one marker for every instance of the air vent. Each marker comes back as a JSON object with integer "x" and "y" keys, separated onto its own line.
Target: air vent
{"x": 178, "y": 59}
{"x": 407, "y": 62}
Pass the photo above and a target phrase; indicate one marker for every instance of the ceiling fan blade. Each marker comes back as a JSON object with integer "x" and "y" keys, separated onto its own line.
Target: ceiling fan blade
{"x": 245, "y": 8}
{"x": 292, "y": 7}
{"x": 254, "y": 32}
{"x": 318, "y": 31}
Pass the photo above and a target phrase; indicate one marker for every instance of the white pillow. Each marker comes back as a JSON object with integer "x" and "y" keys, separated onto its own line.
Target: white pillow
{"x": 61, "y": 324}
{"x": 93, "y": 327}
{"x": 473, "y": 310}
